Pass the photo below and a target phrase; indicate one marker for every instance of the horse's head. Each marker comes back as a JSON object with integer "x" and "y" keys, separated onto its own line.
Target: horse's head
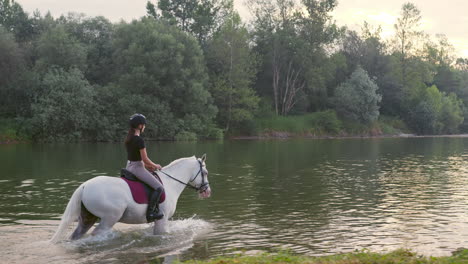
{"x": 200, "y": 179}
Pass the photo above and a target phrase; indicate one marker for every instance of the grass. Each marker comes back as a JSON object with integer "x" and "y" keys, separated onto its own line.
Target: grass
{"x": 400, "y": 256}
{"x": 318, "y": 123}
{"x": 326, "y": 123}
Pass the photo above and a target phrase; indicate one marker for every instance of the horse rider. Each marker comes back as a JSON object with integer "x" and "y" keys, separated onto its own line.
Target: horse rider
{"x": 139, "y": 164}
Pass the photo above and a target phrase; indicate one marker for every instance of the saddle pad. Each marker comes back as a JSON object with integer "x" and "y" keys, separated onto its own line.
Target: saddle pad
{"x": 138, "y": 191}
{"x": 141, "y": 191}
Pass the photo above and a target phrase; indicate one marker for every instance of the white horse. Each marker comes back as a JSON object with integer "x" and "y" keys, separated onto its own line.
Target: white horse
{"x": 110, "y": 200}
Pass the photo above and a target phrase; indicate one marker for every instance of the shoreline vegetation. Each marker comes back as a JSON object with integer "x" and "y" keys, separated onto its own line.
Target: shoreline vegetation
{"x": 401, "y": 256}
{"x": 319, "y": 125}
{"x": 289, "y": 71}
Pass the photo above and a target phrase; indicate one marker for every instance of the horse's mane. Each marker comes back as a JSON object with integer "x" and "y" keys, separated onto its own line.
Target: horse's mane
{"x": 174, "y": 164}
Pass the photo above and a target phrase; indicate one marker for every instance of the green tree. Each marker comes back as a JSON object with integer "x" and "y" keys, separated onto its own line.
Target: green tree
{"x": 290, "y": 38}
{"x": 451, "y": 114}
{"x": 167, "y": 66}
{"x": 357, "y": 98}
{"x": 408, "y": 67}
{"x": 65, "y": 108}
{"x": 95, "y": 35}
{"x": 407, "y": 32}
{"x": 57, "y": 48}
{"x": 440, "y": 53}
{"x": 197, "y": 17}
{"x": 12, "y": 64}
{"x": 434, "y": 112}
{"x": 15, "y": 20}
{"x": 204, "y": 21}
{"x": 366, "y": 49}
{"x": 179, "y": 12}
{"x": 11, "y": 57}
{"x": 462, "y": 64}
{"x": 232, "y": 66}
{"x": 151, "y": 10}
{"x": 449, "y": 80}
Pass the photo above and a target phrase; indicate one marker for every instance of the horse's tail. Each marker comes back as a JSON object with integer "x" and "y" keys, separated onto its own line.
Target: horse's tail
{"x": 71, "y": 214}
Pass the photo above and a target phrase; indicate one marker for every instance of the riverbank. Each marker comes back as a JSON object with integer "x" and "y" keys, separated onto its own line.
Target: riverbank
{"x": 8, "y": 139}
{"x": 286, "y": 135}
{"x": 320, "y": 125}
{"x": 362, "y": 257}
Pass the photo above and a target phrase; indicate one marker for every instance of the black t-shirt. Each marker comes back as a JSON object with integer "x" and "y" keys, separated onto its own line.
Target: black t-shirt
{"x": 133, "y": 148}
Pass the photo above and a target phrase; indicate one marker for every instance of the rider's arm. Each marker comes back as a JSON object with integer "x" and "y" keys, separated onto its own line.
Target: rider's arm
{"x": 147, "y": 161}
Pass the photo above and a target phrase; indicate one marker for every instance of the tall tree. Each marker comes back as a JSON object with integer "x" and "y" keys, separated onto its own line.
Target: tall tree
{"x": 164, "y": 65}
{"x": 15, "y": 20}
{"x": 11, "y": 57}
{"x": 367, "y": 50}
{"x": 151, "y": 10}
{"x": 232, "y": 66}
{"x": 94, "y": 33}
{"x": 197, "y": 17}
{"x": 179, "y": 12}
{"x": 462, "y": 64}
{"x": 291, "y": 39}
{"x": 407, "y": 33}
{"x": 12, "y": 64}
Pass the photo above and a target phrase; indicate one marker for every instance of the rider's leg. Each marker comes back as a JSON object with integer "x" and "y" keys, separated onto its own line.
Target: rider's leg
{"x": 153, "y": 212}
{"x": 139, "y": 170}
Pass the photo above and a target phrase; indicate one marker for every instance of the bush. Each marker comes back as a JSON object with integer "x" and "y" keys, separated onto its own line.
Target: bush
{"x": 357, "y": 98}
{"x": 186, "y": 136}
{"x": 318, "y": 123}
{"x": 214, "y": 133}
{"x": 395, "y": 123}
{"x": 434, "y": 112}
{"x": 327, "y": 121}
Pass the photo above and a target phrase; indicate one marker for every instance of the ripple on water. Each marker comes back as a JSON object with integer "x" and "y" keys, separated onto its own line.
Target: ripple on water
{"x": 127, "y": 243}
{"x": 26, "y": 183}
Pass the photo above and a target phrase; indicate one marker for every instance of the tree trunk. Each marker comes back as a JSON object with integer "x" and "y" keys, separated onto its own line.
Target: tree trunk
{"x": 276, "y": 79}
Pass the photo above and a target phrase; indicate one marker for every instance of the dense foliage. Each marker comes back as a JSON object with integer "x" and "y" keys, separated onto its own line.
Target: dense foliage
{"x": 197, "y": 71}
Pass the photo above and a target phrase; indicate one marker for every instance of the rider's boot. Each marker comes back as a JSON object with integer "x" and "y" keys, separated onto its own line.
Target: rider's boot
{"x": 153, "y": 206}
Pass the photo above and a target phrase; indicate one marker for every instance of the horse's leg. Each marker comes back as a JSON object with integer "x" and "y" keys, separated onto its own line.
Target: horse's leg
{"x": 85, "y": 222}
{"x": 107, "y": 222}
{"x": 160, "y": 226}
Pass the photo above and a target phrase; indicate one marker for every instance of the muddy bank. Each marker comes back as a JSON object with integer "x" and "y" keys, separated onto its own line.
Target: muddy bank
{"x": 8, "y": 140}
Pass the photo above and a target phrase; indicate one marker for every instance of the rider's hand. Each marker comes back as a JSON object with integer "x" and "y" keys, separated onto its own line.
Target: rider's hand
{"x": 158, "y": 167}
{"x": 150, "y": 167}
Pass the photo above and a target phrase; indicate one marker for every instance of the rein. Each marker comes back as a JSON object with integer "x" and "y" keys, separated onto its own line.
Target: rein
{"x": 199, "y": 189}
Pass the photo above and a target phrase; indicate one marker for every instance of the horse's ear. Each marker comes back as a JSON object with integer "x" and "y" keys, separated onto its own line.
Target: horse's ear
{"x": 203, "y": 158}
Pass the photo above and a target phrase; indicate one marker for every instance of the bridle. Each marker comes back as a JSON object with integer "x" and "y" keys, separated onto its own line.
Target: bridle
{"x": 203, "y": 186}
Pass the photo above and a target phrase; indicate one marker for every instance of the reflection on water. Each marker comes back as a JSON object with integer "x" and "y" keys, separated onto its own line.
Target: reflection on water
{"x": 314, "y": 197}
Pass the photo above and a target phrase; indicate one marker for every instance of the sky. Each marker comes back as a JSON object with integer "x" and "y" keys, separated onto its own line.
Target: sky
{"x": 447, "y": 17}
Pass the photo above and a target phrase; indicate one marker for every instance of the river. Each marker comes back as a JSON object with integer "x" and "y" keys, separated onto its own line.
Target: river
{"x": 313, "y": 197}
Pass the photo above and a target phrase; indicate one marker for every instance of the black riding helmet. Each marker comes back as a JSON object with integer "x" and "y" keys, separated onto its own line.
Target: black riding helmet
{"x": 136, "y": 120}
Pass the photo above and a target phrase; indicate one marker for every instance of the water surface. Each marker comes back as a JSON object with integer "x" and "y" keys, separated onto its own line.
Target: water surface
{"x": 314, "y": 197}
